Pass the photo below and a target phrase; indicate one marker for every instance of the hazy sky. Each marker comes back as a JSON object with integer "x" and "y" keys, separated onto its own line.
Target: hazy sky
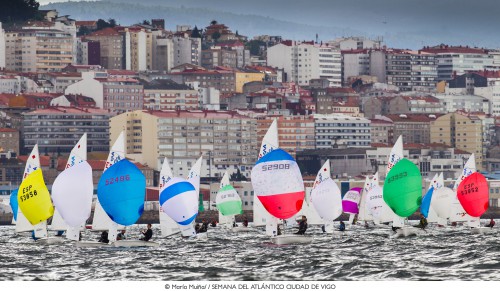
{"x": 403, "y": 23}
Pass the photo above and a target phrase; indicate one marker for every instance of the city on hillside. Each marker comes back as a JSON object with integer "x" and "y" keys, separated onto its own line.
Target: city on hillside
{"x": 213, "y": 92}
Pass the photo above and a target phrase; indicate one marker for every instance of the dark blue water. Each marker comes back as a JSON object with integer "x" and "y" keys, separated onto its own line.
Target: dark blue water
{"x": 438, "y": 254}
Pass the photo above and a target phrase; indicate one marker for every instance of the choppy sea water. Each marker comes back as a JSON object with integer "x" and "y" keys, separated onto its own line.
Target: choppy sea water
{"x": 357, "y": 254}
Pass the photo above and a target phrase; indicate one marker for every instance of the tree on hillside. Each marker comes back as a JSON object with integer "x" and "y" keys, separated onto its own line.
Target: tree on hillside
{"x": 18, "y": 10}
{"x": 146, "y": 22}
{"x": 101, "y": 24}
{"x": 215, "y": 36}
{"x": 196, "y": 32}
{"x": 213, "y": 22}
{"x": 237, "y": 176}
{"x": 83, "y": 30}
{"x": 255, "y": 47}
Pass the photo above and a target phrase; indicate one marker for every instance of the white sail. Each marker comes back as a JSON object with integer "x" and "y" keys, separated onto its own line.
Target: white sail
{"x": 396, "y": 154}
{"x": 32, "y": 164}
{"x": 432, "y": 216}
{"x": 309, "y": 211}
{"x": 74, "y": 203}
{"x": 457, "y": 211}
{"x": 394, "y": 157}
{"x": 326, "y": 196}
{"x": 101, "y": 220}
{"x": 77, "y": 155}
{"x": 441, "y": 201}
{"x": 195, "y": 173}
{"x": 168, "y": 226}
{"x": 270, "y": 142}
{"x": 364, "y": 214}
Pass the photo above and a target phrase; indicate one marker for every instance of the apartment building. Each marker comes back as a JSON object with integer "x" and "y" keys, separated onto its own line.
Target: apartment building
{"x": 338, "y": 130}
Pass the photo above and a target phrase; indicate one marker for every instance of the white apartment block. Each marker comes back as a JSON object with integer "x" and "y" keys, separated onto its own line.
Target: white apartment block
{"x": 227, "y": 140}
{"x": 2, "y": 47}
{"x": 41, "y": 50}
{"x": 305, "y": 61}
{"x": 355, "y": 43}
{"x": 355, "y": 63}
{"x": 340, "y": 130}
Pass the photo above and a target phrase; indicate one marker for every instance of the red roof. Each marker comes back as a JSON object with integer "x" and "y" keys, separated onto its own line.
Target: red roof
{"x": 70, "y": 110}
{"x": 441, "y": 49}
{"x": 429, "y": 99}
{"x": 96, "y": 165}
{"x": 3, "y": 129}
{"x": 44, "y": 160}
{"x": 108, "y": 31}
{"x": 195, "y": 114}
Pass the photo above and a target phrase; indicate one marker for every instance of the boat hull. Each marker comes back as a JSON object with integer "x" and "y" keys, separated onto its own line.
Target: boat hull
{"x": 242, "y": 229}
{"x": 406, "y": 232}
{"x": 50, "y": 240}
{"x": 135, "y": 243}
{"x": 481, "y": 230}
{"x": 92, "y": 244}
{"x": 287, "y": 239}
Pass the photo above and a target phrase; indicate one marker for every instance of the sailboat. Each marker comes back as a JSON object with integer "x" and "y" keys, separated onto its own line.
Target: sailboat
{"x": 22, "y": 224}
{"x": 73, "y": 204}
{"x": 101, "y": 221}
{"x": 350, "y": 203}
{"x": 326, "y": 196}
{"x": 458, "y": 214}
{"x": 13, "y": 205}
{"x": 34, "y": 200}
{"x": 403, "y": 192}
{"x": 395, "y": 156}
{"x": 473, "y": 194}
{"x": 376, "y": 205}
{"x": 179, "y": 199}
{"x": 278, "y": 184}
{"x": 229, "y": 204}
{"x": 364, "y": 211}
{"x": 425, "y": 209}
{"x": 261, "y": 217}
{"x": 121, "y": 192}
{"x": 167, "y": 225}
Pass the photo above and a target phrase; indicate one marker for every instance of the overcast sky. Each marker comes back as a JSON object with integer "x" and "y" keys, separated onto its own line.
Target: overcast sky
{"x": 421, "y": 22}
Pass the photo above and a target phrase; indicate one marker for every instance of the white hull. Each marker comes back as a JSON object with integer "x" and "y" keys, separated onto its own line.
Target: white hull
{"x": 406, "y": 231}
{"x": 481, "y": 230}
{"x": 199, "y": 236}
{"x": 242, "y": 229}
{"x": 92, "y": 244}
{"x": 287, "y": 239}
{"x": 135, "y": 243}
{"x": 50, "y": 240}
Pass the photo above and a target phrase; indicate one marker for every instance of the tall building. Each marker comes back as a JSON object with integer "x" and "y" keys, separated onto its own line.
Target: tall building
{"x": 111, "y": 45}
{"x": 415, "y": 128}
{"x": 305, "y": 61}
{"x": 452, "y": 61}
{"x": 38, "y": 50}
{"x": 166, "y": 94}
{"x": 2, "y": 47}
{"x": 460, "y": 130}
{"x": 227, "y": 140}
{"x": 295, "y": 132}
{"x": 58, "y": 129}
{"x": 138, "y": 43}
{"x": 338, "y": 130}
{"x": 411, "y": 70}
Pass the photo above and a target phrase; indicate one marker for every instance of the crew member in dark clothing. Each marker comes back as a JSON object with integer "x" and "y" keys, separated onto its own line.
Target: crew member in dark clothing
{"x": 245, "y": 222}
{"x": 203, "y": 227}
{"x": 491, "y": 224}
{"x": 423, "y": 222}
{"x": 394, "y": 228}
{"x": 302, "y": 225}
{"x": 342, "y": 226}
{"x": 197, "y": 228}
{"x": 214, "y": 223}
{"x": 148, "y": 234}
{"x": 104, "y": 237}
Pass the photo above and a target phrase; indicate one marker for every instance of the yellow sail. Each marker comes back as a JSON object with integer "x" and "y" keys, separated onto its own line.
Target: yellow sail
{"x": 34, "y": 198}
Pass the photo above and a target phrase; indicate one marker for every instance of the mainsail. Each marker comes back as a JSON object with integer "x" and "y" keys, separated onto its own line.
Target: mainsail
{"x": 326, "y": 196}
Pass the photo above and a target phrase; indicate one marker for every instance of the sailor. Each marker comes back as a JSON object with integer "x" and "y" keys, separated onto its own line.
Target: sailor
{"x": 148, "y": 234}
{"x": 121, "y": 235}
{"x": 491, "y": 224}
{"x": 342, "y": 226}
{"x": 245, "y": 222}
{"x": 302, "y": 225}
{"x": 104, "y": 237}
{"x": 423, "y": 222}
